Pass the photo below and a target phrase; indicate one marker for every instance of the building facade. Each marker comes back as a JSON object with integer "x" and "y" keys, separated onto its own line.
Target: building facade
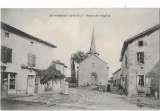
{"x": 117, "y": 77}
{"x": 138, "y": 56}
{"x": 21, "y": 49}
{"x": 93, "y": 70}
{"x": 58, "y": 84}
{"x": 154, "y": 77}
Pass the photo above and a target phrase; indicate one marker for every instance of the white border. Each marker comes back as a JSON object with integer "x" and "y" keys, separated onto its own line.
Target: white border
{"x": 79, "y": 3}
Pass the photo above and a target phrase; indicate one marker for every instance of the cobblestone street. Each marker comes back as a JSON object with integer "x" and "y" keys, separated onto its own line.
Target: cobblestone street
{"x": 79, "y": 98}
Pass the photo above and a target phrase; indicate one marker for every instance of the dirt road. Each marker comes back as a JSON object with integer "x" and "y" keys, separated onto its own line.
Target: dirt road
{"x": 79, "y": 98}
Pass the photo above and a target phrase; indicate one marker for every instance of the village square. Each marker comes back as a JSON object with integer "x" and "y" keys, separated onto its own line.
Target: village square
{"x": 101, "y": 71}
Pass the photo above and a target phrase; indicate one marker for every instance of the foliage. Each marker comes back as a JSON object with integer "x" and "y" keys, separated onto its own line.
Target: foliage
{"x": 77, "y": 57}
{"x": 68, "y": 79}
{"x": 51, "y": 73}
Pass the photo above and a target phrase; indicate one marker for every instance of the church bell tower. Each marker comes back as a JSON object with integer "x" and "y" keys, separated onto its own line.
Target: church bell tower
{"x": 92, "y": 50}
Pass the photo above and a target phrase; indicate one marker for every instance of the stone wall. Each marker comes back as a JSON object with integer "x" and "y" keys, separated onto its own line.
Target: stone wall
{"x": 93, "y": 64}
{"x": 151, "y": 56}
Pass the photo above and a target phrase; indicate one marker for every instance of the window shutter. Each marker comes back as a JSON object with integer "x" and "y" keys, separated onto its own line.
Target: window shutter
{"x": 4, "y": 54}
{"x": 31, "y": 60}
{"x": 9, "y": 55}
{"x": 34, "y": 60}
{"x": 138, "y": 56}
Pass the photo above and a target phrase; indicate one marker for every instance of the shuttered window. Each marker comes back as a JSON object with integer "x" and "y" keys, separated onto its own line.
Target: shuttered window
{"x": 140, "y": 57}
{"x": 140, "y": 43}
{"x": 31, "y": 60}
{"x": 7, "y": 34}
{"x": 6, "y": 54}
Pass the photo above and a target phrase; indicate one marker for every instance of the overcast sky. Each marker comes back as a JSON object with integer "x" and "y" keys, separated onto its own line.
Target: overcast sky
{"x": 111, "y": 27}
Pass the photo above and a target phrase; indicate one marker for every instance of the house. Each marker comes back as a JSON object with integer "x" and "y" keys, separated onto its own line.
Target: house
{"x": 93, "y": 70}
{"x": 19, "y": 49}
{"x": 58, "y": 84}
{"x": 154, "y": 77}
{"x": 138, "y": 55}
{"x": 117, "y": 77}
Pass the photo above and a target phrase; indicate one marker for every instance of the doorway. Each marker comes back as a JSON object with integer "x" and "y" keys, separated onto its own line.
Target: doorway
{"x": 30, "y": 84}
{"x": 94, "y": 78}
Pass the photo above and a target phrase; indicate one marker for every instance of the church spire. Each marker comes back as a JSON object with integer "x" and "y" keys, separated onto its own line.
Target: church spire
{"x": 93, "y": 44}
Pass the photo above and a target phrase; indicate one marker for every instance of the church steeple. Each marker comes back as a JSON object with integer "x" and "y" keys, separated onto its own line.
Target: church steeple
{"x": 93, "y": 45}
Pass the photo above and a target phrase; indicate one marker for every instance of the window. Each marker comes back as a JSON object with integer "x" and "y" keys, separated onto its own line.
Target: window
{"x": 6, "y": 54}
{"x": 126, "y": 61}
{"x": 141, "y": 80}
{"x": 7, "y": 34}
{"x": 140, "y": 43}
{"x": 140, "y": 57}
{"x": 12, "y": 81}
{"x": 31, "y": 60}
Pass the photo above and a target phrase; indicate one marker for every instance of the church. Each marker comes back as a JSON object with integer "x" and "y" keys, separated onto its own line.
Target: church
{"x": 93, "y": 70}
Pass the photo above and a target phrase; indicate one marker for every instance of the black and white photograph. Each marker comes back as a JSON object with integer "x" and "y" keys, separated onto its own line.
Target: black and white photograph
{"x": 80, "y": 59}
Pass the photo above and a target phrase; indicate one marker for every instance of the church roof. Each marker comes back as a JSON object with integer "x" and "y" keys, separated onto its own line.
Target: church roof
{"x": 96, "y": 57}
{"x": 24, "y": 34}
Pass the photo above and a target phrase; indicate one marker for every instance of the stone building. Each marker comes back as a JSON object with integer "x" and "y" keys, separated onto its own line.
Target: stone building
{"x": 154, "y": 77}
{"x": 93, "y": 70}
{"x": 138, "y": 56}
{"x": 117, "y": 77}
{"x": 20, "y": 49}
{"x": 58, "y": 84}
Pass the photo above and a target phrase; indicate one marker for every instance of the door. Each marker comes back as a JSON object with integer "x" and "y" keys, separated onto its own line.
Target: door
{"x": 36, "y": 84}
{"x": 140, "y": 84}
{"x": 31, "y": 84}
{"x": 11, "y": 83}
{"x": 4, "y": 85}
{"x": 94, "y": 78}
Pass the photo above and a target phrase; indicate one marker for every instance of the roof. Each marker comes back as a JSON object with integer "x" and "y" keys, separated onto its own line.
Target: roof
{"x": 116, "y": 71}
{"x": 95, "y": 56}
{"x": 59, "y": 62}
{"x": 155, "y": 71}
{"x": 140, "y": 35}
{"x": 25, "y": 35}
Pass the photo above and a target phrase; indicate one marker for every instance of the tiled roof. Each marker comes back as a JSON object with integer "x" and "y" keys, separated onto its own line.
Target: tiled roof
{"x": 25, "y": 35}
{"x": 116, "y": 71}
{"x": 140, "y": 35}
{"x": 59, "y": 62}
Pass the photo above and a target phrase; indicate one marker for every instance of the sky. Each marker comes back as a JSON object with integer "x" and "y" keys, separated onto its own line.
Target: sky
{"x": 71, "y": 29}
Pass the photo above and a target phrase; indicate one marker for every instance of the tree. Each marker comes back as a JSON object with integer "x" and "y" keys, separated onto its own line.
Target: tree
{"x": 77, "y": 57}
{"x": 51, "y": 73}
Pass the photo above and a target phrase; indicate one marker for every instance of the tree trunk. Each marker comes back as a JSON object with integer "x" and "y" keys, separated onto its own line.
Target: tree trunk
{"x": 73, "y": 73}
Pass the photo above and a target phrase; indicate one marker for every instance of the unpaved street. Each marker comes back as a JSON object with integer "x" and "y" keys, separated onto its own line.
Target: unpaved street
{"x": 79, "y": 98}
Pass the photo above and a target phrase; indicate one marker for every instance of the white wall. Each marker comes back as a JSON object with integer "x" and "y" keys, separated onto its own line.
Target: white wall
{"x": 151, "y": 51}
{"x": 20, "y": 49}
{"x": 85, "y": 70}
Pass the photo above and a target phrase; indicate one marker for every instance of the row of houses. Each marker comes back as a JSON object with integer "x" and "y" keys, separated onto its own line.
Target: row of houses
{"x": 19, "y": 50}
{"x": 140, "y": 63}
